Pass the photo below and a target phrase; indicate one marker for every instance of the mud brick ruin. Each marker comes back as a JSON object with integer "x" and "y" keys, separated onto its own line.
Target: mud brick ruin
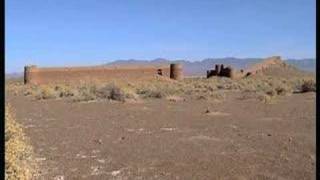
{"x": 176, "y": 71}
{"x": 35, "y": 75}
{"x": 221, "y": 71}
{"x": 259, "y": 68}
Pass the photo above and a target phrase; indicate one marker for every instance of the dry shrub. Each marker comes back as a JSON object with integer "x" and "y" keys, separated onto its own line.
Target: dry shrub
{"x": 283, "y": 90}
{"x": 46, "y": 92}
{"x": 31, "y": 90}
{"x": 270, "y": 86}
{"x": 81, "y": 92}
{"x": 213, "y": 83}
{"x": 64, "y": 90}
{"x": 308, "y": 86}
{"x": 18, "y": 154}
{"x": 247, "y": 94}
{"x": 14, "y": 88}
{"x": 117, "y": 94}
{"x": 85, "y": 92}
{"x": 217, "y": 96}
{"x": 108, "y": 92}
{"x": 158, "y": 89}
{"x": 41, "y": 92}
{"x": 105, "y": 91}
{"x": 127, "y": 89}
{"x": 266, "y": 98}
{"x": 173, "y": 98}
{"x": 150, "y": 93}
{"x": 130, "y": 93}
{"x": 267, "y": 88}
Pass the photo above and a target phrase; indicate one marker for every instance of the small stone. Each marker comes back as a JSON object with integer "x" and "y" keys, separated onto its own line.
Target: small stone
{"x": 202, "y": 97}
{"x": 115, "y": 173}
{"x": 59, "y": 178}
{"x": 99, "y": 141}
{"x": 269, "y": 134}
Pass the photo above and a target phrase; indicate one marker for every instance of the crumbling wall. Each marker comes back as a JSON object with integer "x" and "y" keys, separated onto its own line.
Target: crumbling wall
{"x": 220, "y": 70}
{"x": 35, "y": 75}
{"x": 176, "y": 71}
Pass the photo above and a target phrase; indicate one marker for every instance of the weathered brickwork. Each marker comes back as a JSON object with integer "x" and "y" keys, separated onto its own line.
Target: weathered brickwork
{"x": 176, "y": 71}
{"x": 220, "y": 70}
{"x": 35, "y": 75}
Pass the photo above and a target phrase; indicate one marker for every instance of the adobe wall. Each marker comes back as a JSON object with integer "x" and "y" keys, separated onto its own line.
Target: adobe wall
{"x": 220, "y": 70}
{"x": 35, "y": 75}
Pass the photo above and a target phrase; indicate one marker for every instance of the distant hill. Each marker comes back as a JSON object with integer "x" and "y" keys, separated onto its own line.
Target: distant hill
{"x": 303, "y": 64}
{"x": 197, "y": 68}
{"x": 14, "y": 75}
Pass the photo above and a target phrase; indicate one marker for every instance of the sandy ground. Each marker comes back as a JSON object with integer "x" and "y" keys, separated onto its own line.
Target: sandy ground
{"x": 158, "y": 139}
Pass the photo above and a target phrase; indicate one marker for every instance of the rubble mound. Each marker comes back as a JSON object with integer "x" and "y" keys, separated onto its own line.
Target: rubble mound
{"x": 273, "y": 66}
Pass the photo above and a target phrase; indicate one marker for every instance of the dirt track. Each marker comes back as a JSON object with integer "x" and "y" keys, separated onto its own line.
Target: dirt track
{"x": 158, "y": 139}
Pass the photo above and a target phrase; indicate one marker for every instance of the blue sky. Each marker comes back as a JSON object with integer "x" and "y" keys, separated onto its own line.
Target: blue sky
{"x": 90, "y": 32}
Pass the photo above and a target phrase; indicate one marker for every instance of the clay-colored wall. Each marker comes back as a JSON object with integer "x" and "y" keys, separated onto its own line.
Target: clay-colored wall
{"x": 220, "y": 70}
{"x": 36, "y": 75}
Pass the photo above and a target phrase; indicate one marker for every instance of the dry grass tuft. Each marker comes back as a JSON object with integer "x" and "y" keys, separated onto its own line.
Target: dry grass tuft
{"x": 46, "y": 92}
{"x": 173, "y": 98}
{"x": 157, "y": 89}
{"x": 18, "y": 154}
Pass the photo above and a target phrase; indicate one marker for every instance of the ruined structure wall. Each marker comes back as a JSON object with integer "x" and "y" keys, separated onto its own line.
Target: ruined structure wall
{"x": 220, "y": 70}
{"x": 176, "y": 71}
{"x": 36, "y": 75}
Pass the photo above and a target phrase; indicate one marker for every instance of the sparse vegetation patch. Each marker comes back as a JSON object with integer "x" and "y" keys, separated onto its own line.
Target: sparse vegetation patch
{"x": 265, "y": 87}
{"x": 18, "y": 153}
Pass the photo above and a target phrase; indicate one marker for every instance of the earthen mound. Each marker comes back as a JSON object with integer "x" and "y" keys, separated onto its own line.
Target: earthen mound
{"x": 274, "y": 66}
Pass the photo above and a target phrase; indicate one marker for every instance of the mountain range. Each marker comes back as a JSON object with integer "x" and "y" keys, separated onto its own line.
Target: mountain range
{"x": 197, "y": 68}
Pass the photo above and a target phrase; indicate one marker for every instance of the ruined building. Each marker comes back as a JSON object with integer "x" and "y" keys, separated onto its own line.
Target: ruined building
{"x": 220, "y": 70}
{"x": 36, "y": 75}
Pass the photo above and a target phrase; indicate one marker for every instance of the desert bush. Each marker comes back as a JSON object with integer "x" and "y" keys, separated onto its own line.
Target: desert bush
{"x": 218, "y": 96}
{"x": 217, "y": 83}
{"x": 158, "y": 89}
{"x": 105, "y": 91}
{"x": 130, "y": 93}
{"x": 271, "y": 92}
{"x": 117, "y": 94}
{"x": 85, "y": 92}
{"x": 64, "y": 90}
{"x": 114, "y": 92}
{"x": 283, "y": 90}
{"x": 18, "y": 154}
{"x": 31, "y": 90}
{"x": 247, "y": 94}
{"x": 46, "y": 92}
{"x": 267, "y": 88}
{"x": 81, "y": 92}
{"x": 13, "y": 87}
{"x": 173, "y": 98}
{"x": 265, "y": 98}
{"x": 150, "y": 93}
{"x": 308, "y": 86}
